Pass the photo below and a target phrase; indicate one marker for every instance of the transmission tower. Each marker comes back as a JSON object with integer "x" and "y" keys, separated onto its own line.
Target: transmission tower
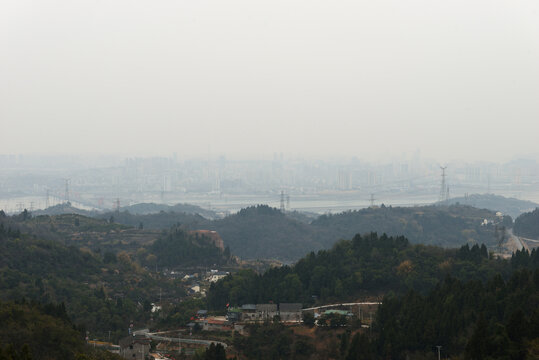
{"x": 443, "y": 190}
{"x": 372, "y": 200}
{"x": 67, "y": 191}
{"x": 118, "y": 206}
{"x": 47, "y": 203}
{"x": 282, "y": 202}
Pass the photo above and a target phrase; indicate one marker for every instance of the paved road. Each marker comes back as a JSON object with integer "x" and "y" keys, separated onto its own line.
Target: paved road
{"x": 516, "y": 240}
{"x": 157, "y": 336}
{"x": 338, "y": 305}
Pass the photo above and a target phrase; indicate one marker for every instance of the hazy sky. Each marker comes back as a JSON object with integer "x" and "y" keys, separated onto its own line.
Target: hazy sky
{"x": 456, "y": 79}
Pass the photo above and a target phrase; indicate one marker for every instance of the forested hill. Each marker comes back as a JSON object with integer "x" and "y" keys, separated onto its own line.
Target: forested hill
{"x": 448, "y": 226}
{"x": 262, "y": 232}
{"x": 474, "y": 306}
{"x": 527, "y": 225}
{"x": 101, "y": 291}
{"x": 365, "y": 266}
{"x": 508, "y": 206}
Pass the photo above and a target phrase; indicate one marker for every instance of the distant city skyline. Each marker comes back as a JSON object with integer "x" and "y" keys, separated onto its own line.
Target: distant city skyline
{"x": 230, "y": 184}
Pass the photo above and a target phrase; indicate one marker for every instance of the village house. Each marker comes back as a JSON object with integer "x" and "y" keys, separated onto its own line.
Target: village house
{"x": 216, "y": 276}
{"x": 266, "y": 311}
{"x": 248, "y": 312}
{"x": 215, "y": 323}
{"x": 290, "y": 312}
{"x": 287, "y": 312}
{"x": 135, "y": 347}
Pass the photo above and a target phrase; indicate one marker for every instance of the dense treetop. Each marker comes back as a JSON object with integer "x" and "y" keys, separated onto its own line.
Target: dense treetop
{"x": 36, "y": 331}
{"x": 368, "y": 265}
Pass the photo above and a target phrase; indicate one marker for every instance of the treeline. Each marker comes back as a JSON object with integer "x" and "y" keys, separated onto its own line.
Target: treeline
{"x": 366, "y": 265}
{"x": 527, "y": 225}
{"x": 36, "y": 331}
{"x": 160, "y": 220}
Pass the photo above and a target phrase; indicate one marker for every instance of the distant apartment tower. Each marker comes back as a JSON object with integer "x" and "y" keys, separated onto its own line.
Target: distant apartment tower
{"x": 344, "y": 180}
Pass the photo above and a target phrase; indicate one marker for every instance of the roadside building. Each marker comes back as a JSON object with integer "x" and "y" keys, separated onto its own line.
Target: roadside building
{"x": 216, "y": 276}
{"x": 233, "y": 314}
{"x": 215, "y": 323}
{"x": 134, "y": 347}
{"x": 248, "y": 312}
{"x": 266, "y": 312}
{"x": 290, "y": 312}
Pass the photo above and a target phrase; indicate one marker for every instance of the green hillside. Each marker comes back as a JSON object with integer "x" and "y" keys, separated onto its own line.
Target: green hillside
{"x": 102, "y": 291}
{"x": 527, "y": 225}
{"x": 263, "y": 232}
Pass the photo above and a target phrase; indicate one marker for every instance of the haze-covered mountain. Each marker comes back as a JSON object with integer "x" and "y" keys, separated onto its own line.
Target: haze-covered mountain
{"x": 448, "y": 226}
{"x": 152, "y": 208}
{"x": 264, "y": 232}
{"x": 160, "y": 220}
{"x": 65, "y": 208}
{"x": 508, "y": 206}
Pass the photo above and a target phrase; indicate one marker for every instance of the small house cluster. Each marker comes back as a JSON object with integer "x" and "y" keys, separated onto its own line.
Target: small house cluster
{"x": 284, "y": 312}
